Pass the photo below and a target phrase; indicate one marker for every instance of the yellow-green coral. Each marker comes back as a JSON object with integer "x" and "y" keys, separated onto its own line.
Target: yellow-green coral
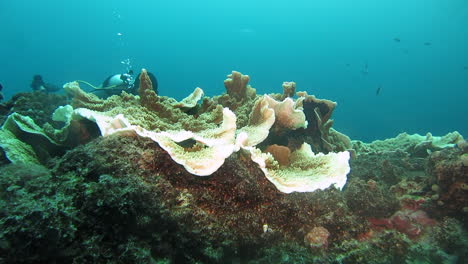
{"x": 161, "y": 119}
{"x": 158, "y": 115}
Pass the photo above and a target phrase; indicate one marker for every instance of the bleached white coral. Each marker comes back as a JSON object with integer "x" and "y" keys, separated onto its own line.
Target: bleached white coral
{"x": 306, "y": 171}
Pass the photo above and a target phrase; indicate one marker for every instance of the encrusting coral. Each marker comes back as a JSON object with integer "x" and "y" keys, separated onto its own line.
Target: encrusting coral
{"x": 416, "y": 145}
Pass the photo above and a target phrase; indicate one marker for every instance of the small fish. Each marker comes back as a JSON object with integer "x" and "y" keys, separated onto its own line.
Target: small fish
{"x": 465, "y": 68}
{"x": 427, "y": 44}
{"x": 378, "y": 90}
{"x": 397, "y": 39}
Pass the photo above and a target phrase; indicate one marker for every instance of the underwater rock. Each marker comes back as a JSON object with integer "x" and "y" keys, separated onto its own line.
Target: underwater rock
{"x": 388, "y": 168}
{"x": 413, "y": 223}
{"x": 227, "y": 211}
{"x": 401, "y": 158}
{"x": 36, "y": 224}
{"x": 451, "y": 178}
{"x": 370, "y": 198}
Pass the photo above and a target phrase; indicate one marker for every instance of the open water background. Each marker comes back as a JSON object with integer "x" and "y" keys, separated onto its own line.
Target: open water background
{"x": 416, "y": 51}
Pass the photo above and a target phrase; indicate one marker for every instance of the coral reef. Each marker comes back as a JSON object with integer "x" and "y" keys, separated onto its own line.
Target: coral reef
{"x": 118, "y": 182}
{"x": 211, "y": 146}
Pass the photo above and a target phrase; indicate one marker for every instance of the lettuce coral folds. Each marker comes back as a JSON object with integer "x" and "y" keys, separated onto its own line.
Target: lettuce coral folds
{"x": 201, "y": 138}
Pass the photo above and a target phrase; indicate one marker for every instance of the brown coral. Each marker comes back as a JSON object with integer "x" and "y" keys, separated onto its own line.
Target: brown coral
{"x": 319, "y": 132}
{"x": 237, "y": 86}
{"x": 289, "y": 89}
{"x": 146, "y": 91}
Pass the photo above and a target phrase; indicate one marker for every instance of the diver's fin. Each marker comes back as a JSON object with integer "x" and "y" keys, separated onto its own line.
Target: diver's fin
{"x": 87, "y": 83}
{"x": 96, "y": 88}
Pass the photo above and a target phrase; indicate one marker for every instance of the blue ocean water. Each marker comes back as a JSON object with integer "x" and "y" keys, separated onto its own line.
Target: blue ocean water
{"x": 414, "y": 52}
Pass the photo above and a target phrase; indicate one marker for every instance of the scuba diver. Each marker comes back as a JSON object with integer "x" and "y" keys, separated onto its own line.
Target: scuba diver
{"x": 38, "y": 84}
{"x": 115, "y": 84}
{"x": 1, "y": 94}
